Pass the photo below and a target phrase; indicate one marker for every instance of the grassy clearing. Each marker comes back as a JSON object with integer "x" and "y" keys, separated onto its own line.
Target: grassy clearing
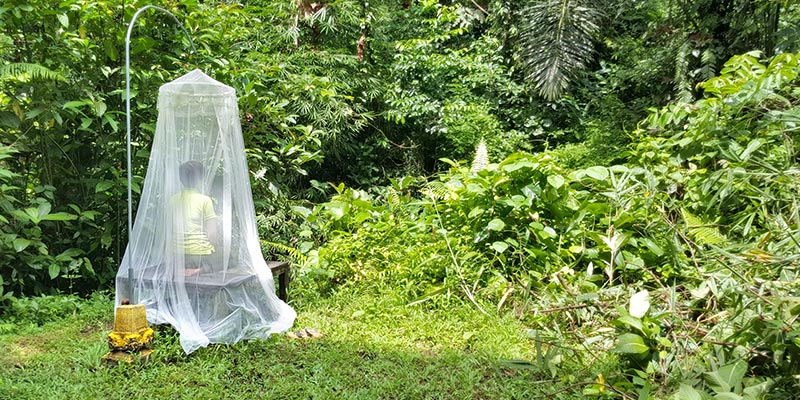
{"x": 374, "y": 347}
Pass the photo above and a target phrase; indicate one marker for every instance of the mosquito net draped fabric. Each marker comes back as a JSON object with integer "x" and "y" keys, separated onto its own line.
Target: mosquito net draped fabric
{"x": 193, "y": 258}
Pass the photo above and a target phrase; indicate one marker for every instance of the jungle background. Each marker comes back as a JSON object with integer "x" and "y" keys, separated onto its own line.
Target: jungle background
{"x": 620, "y": 177}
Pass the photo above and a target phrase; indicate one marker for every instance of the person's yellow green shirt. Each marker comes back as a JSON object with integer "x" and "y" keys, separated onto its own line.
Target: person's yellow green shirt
{"x": 197, "y": 210}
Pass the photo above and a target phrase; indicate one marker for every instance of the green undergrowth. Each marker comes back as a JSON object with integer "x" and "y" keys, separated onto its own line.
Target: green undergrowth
{"x": 374, "y": 346}
{"x": 683, "y": 261}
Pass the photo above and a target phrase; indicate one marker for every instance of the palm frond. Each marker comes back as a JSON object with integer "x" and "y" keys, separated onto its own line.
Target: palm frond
{"x": 556, "y": 41}
{"x": 29, "y": 71}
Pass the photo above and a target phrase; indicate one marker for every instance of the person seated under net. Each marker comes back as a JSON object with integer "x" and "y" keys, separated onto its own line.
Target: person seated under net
{"x": 195, "y": 211}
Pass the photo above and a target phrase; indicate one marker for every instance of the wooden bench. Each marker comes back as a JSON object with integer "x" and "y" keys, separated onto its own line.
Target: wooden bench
{"x": 282, "y": 272}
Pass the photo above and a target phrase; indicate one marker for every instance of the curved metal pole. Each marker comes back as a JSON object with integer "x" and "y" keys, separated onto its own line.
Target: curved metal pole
{"x": 128, "y": 98}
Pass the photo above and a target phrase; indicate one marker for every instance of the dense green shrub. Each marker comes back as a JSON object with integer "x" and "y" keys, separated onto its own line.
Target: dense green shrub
{"x": 64, "y": 200}
{"x": 706, "y": 208}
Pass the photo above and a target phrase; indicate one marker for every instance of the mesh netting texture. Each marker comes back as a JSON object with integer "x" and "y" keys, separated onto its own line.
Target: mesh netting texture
{"x": 193, "y": 257}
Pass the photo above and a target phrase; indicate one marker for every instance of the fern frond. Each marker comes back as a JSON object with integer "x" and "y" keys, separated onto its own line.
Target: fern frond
{"x": 701, "y": 232}
{"x": 436, "y": 190}
{"x": 682, "y": 83}
{"x": 393, "y": 198}
{"x": 24, "y": 71}
{"x": 294, "y": 253}
{"x": 708, "y": 59}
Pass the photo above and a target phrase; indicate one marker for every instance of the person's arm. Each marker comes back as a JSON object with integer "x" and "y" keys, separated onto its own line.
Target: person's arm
{"x": 211, "y": 222}
{"x": 212, "y": 227}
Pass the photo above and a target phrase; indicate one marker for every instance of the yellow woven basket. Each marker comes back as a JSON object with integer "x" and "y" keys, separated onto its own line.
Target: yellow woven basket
{"x": 130, "y": 318}
{"x": 131, "y": 332}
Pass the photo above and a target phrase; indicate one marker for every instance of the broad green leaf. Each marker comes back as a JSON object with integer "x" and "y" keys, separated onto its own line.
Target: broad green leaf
{"x": 135, "y": 187}
{"x": 337, "y": 209}
{"x": 76, "y": 104}
{"x": 518, "y": 165}
{"x": 475, "y": 188}
{"x": 726, "y": 378}
{"x": 87, "y": 264}
{"x": 107, "y": 119}
{"x": 9, "y": 119}
{"x": 644, "y": 392}
{"x": 63, "y": 19}
{"x": 54, "y": 270}
{"x": 60, "y": 216}
{"x": 496, "y": 225}
{"x": 751, "y": 147}
{"x": 68, "y": 254}
{"x": 102, "y": 186}
{"x": 43, "y": 210}
{"x": 652, "y": 246}
{"x": 111, "y": 49}
{"x": 301, "y": 211}
{"x": 555, "y": 181}
{"x": 85, "y": 122}
{"x": 547, "y": 233}
{"x": 728, "y": 396}
{"x": 475, "y": 212}
{"x": 618, "y": 169}
{"x": 615, "y": 241}
{"x": 597, "y": 172}
{"x": 632, "y": 322}
{"x": 500, "y": 246}
{"x": 757, "y": 391}
{"x": 361, "y": 217}
{"x": 631, "y": 343}
{"x": 33, "y": 214}
{"x": 21, "y": 215}
{"x": 449, "y": 162}
{"x": 34, "y": 112}
{"x": 100, "y": 108}
{"x": 90, "y": 215}
{"x": 687, "y": 392}
{"x": 21, "y": 244}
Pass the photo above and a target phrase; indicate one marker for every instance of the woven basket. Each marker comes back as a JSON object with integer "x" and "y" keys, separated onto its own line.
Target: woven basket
{"x": 130, "y": 318}
{"x": 131, "y": 332}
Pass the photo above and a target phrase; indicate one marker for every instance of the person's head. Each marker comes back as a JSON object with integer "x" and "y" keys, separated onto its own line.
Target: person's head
{"x": 192, "y": 174}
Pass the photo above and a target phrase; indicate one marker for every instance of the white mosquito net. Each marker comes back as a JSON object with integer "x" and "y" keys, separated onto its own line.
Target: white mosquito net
{"x": 193, "y": 257}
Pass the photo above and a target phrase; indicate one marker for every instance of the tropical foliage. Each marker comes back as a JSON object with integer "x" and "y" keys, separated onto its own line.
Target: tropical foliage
{"x": 633, "y": 198}
{"x": 707, "y": 206}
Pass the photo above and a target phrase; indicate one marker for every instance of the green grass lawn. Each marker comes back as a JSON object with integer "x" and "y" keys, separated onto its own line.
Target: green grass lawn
{"x": 375, "y": 347}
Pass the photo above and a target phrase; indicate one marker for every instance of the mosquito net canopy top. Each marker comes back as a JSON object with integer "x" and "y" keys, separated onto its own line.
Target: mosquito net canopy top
{"x": 193, "y": 257}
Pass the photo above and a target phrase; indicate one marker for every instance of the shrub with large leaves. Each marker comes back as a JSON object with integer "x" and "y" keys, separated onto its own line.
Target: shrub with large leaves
{"x": 732, "y": 156}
